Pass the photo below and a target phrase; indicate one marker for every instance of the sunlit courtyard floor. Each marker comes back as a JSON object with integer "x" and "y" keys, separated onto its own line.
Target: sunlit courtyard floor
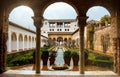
{"x": 30, "y": 67}
{"x": 75, "y": 73}
{"x": 26, "y": 71}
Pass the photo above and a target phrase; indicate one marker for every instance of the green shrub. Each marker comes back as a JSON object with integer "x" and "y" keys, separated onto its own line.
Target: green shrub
{"x": 100, "y": 60}
{"x": 101, "y": 63}
{"x": 20, "y": 58}
{"x": 45, "y": 53}
{"x": 75, "y": 54}
{"x": 67, "y": 53}
{"x": 102, "y": 57}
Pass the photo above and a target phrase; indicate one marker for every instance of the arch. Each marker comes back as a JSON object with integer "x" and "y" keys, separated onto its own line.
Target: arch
{"x": 30, "y": 42}
{"x": 19, "y": 3}
{"x": 33, "y": 42}
{"x": 20, "y": 42}
{"x": 13, "y": 41}
{"x": 13, "y": 36}
{"x": 59, "y": 39}
{"x": 20, "y": 37}
{"x": 25, "y": 41}
{"x": 63, "y": 1}
{"x": 54, "y": 39}
{"x": 22, "y": 15}
{"x": 65, "y": 39}
{"x": 104, "y": 4}
{"x": 98, "y": 9}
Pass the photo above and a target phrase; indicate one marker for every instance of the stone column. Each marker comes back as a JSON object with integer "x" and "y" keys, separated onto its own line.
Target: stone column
{"x": 38, "y": 23}
{"x": 115, "y": 32}
{"x": 81, "y": 24}
{"x": 1, "y": 44}
{"x": 116, "y": 48}
{"x": 17, "y": 41}
{"x": 3, "y": 39}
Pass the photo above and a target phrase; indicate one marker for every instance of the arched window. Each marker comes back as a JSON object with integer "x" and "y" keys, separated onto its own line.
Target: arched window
{"x": 30, "y": 42}
{"x": 20, "y": 42}
{"x": 14, "y": 42}
{"x": 25, "y": 41}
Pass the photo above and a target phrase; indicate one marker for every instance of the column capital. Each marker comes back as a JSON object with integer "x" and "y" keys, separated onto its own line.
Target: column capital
{"x": 82, "y": 20}
{"x": 38, "y": 21}
{"x": 82, "y": 17}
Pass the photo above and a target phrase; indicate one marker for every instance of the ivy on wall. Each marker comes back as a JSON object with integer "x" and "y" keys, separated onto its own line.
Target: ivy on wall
{"x": 90, "y": 36}
{"x": 105, "y": 42}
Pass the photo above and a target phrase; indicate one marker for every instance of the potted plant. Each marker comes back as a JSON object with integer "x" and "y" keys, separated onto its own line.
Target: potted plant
{"x": 52, "y": 57}
{"x": 67, "y": 57}
{"x": 75, "y": 57}
{"x": 45, "y": 55}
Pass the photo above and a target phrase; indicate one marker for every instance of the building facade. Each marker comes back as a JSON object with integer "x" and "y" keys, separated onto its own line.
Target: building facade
{"x": 60, "y": 30}
{"x": 81, "y": 7}
{"x": 21, "y": 39}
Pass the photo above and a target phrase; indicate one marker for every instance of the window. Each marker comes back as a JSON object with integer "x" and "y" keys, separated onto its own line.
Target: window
{"x": 65, "y": 29}
{"x": 67, "y": 24}
{"x": 59, "y": 24}
{"x": 60, "y": 29}
{"x": 52, "y": 24}
{"x": 68, "y": 29}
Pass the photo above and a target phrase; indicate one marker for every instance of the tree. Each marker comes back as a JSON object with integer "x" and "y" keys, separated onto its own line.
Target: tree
{"x": 105, "y": 18}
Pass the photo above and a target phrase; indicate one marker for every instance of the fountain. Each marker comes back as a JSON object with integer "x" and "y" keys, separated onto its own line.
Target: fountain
{"x": 59, "y": 61}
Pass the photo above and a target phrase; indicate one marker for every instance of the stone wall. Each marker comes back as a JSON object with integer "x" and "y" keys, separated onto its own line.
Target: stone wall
{"x": 103, "y": 40}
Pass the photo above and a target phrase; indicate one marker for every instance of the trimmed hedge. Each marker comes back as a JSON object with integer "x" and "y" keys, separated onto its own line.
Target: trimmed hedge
{"x": 100, "y": 60}
{"x": 101, "y": 63}
{"x": 25, "y": 57}
{"x": 20, "y": 58}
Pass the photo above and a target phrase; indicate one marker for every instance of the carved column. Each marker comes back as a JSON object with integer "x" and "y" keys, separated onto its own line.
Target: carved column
{"x": 81, "y": 24}
{"x": 115, "y": 24}
{"x": 38, "y": 23}
{"x": 1, "y": 43}
{"x": 116, "y": 48}
{"x": 3, "y": 39}
{"x": 115, "y": 54}
{"x": 118, "y": 42}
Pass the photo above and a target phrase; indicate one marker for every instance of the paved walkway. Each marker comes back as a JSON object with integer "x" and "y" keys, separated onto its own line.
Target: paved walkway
{"x": 62, "y": 73}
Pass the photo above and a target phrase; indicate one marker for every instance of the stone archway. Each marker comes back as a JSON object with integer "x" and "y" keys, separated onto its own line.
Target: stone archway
{"x": 25, "y": 42}
{"x": 60, "y": 40}
{"x": 13, "y": 42}
{"x": 20, "y": 42}
{"x": 4, "y": 32}
{"x": 81, "y": 7}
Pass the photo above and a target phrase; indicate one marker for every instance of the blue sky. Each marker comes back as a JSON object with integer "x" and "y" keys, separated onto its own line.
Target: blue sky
{"x": 22, "y": 14}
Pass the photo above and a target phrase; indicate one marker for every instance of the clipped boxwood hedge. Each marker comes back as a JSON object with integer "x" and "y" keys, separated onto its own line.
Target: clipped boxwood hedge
{"x": 100, "y": 60}
{"x": 101, "y": 63}
{"x": 20, "y": 58}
